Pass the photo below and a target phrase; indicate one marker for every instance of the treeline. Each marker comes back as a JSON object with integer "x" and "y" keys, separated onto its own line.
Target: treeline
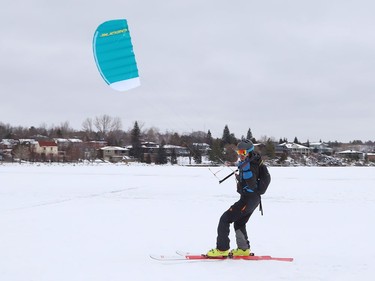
{"x": 109, "y": 129}
{"x": 332, "y": 144}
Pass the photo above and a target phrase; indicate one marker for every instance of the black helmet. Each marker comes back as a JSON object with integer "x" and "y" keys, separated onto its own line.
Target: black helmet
{"x": 246, "y": 145}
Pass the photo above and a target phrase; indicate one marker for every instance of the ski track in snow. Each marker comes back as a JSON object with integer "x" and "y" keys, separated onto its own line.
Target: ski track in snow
{"x": 60, "y": 201}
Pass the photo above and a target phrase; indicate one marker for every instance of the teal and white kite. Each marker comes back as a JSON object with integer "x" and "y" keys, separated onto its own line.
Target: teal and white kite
{"x": 114, "y": 56}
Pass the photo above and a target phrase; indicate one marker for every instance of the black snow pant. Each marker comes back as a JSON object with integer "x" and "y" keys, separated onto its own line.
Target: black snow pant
{"x": 239, "y": 213}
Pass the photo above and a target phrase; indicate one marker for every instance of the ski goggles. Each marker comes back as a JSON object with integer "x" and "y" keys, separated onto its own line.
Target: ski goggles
{"x": 243, "y": 152}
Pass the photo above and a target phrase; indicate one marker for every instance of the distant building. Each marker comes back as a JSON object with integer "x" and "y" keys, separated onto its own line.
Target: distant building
{"x": 351, "y": 154}
{"x": 6, "y": 147}
{"x": 204, "y": 148}
{"x": 292, "y": 148}
{"x": 47, "y": 150}
{"x": 321, "y": 147}
{"x": 71, "y": 150}
{"x": 179, "y": 150}
{"x": 28, "y": 142}
{"x": 113, "y": 153}
{"x": 370, "y": 157}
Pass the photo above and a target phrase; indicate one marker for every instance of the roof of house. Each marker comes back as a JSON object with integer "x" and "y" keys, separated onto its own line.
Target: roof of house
{"x": 113, "y": 148}
{"x": 350, "y": 152}
{"x": 61, "y": 140}
{"x": 290, "y": 145}
{"x": 47, "y": 143}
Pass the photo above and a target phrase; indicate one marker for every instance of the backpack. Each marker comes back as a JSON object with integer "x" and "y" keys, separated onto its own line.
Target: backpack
{"x": 264, "y": 179}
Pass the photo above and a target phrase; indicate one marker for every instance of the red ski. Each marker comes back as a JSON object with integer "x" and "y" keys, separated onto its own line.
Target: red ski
{"x": 189, "y": 256}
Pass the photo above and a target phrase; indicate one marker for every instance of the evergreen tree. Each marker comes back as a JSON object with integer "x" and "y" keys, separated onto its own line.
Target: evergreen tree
{"x": 228, "y": 138}
{"x": 216, "y": 153}
{"x": 162, "y": 155}
{"x": 296, "y": 140}
{"x": 269, "y": 149}
{"x": 175, "y": 139}
{"x": 59, "y": 133}
{"x": 136, "y": 142}
{"x": 209, "y": 139}
{"x": 173, "y": 157}
{"x": 197, "y": 155}
{"x": 282, "y": 158}
{"x": 249, "y": 135}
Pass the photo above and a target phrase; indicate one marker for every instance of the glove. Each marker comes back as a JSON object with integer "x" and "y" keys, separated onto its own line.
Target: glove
{"x": 237, "y": 177}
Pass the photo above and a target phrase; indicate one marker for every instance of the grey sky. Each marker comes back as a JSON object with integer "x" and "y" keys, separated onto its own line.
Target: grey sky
{"x": 282, "y": 68}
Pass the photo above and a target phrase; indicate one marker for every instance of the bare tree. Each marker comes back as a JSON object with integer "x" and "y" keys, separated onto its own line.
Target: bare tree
{"x": 105, "y": 124}
{"x": 21, "y": 152}
{"x": 152, "y": 134}
{"x": 65, "y": 129}
{"x": 87, "y": 127}
{"x": 5, "y": 131}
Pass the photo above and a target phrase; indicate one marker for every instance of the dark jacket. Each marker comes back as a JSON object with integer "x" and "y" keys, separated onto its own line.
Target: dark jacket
{"x": 248, "y": 177}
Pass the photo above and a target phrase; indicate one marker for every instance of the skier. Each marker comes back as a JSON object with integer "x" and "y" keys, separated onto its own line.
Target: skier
{"x": 250, "y": 187}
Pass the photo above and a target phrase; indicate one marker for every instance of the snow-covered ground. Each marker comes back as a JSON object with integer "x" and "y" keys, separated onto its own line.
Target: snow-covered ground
{"x": 101, "y": 222}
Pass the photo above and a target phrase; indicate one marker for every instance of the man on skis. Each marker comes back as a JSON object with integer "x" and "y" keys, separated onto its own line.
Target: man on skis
{"x": 250, "y": 187}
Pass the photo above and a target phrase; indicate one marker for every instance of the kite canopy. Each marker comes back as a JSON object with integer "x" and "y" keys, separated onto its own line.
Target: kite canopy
{"x": 114, "y": 56}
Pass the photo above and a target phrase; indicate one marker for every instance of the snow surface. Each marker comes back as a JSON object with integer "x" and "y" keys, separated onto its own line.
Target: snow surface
{"x": 101, "y": 222}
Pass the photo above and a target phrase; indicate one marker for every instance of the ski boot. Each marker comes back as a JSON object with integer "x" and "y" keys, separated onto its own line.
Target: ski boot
{"x": 239, "y": 252}
{"x": 216, "y": 253}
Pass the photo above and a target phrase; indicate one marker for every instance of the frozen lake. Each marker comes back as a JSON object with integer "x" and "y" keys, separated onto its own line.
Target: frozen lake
{"x": 101, "y": 222}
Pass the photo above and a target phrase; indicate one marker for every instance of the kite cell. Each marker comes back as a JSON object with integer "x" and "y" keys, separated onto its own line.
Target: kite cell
{"x": 114, "y": 56}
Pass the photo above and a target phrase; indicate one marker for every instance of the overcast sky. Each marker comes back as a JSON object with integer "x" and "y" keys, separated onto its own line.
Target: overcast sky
{"x": 290, "y": 68}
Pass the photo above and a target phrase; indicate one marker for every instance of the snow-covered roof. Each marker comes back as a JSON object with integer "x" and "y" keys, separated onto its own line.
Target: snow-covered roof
{"x": 32, "y": 141}
{"x": 75, "y": 140}
{"x": 171, "y": 146}
{"x": 113, "y": 148}
{"x": 61, "y": 140}
{"x": 202, "y": 144}
{"x": 291, "y": 145}
{"x": 349, "y": 152}
{"x": 318, "y": 144}
{"x": 8, "y": 141}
